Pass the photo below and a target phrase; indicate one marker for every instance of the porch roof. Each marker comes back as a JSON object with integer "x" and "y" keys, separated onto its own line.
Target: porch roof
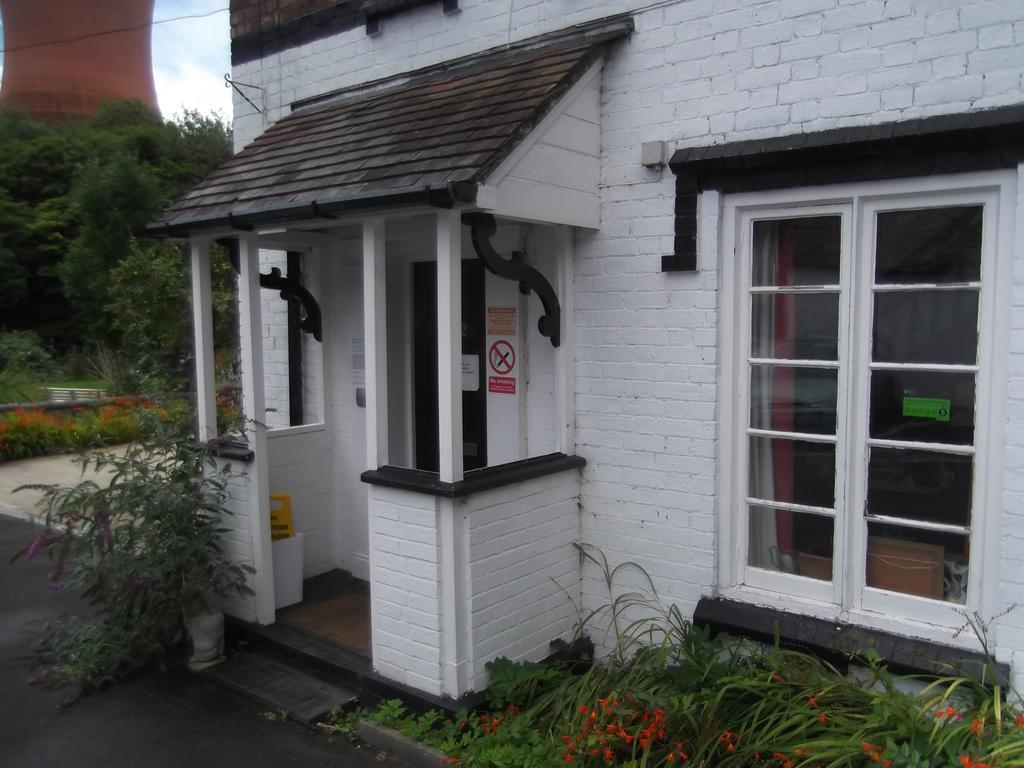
{"x": 429, "y": 137}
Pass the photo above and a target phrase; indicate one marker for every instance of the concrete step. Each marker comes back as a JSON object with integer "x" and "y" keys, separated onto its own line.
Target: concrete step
{"x": 330, "y": 662}
{"x": 281, "y": 686}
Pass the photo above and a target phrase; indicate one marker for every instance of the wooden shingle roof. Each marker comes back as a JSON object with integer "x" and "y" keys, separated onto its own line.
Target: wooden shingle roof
{"x": 429, "y": 137}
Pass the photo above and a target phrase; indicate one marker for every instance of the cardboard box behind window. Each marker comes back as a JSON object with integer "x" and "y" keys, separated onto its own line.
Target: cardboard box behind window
{"x": 911, "y": 567}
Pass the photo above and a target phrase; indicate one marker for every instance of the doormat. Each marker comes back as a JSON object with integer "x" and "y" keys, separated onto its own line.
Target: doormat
{"x": 343, "y": 620}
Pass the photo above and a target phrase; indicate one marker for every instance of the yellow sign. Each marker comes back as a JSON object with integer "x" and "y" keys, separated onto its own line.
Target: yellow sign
{"x": 501, "y": 321}
{"x": 280, "y": 517}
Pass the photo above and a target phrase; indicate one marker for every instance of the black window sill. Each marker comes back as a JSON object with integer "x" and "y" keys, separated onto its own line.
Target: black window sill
{"x": 236, "y": 450}
{"x": 841, "y": 643}
{"x": 475, "y": 481}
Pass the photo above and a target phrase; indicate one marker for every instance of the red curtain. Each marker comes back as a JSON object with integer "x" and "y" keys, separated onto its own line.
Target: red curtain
{"x": 783, "y": 388}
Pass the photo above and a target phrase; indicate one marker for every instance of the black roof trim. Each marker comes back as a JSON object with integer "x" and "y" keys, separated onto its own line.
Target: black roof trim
{"x": 928, "y": 146}
{"x": 980, "y": 140}
{"x": 436, "y": 196}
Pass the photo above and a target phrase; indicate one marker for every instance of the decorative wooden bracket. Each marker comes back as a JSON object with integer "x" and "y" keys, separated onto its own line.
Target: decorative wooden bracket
{"x": 289, "y": 286}
{"x": 483, "y": 227}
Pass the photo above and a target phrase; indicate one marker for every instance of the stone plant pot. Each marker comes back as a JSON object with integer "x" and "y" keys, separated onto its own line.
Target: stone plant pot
{"x": 204, "y": 621}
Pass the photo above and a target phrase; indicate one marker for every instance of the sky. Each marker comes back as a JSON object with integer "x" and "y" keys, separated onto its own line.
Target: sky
{"x": 190, "y": 56}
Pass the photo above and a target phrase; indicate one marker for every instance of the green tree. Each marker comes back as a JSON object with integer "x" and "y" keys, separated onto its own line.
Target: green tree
{"x": 150, "y": 300}
{"x": 71, "y": 197}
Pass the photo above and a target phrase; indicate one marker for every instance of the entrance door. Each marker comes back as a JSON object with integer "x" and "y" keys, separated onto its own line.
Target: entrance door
{"x": 424, "y": 336}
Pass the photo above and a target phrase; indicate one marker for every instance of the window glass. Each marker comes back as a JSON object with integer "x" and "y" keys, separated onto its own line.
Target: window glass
{"x": 929, "y": 564}
{"x": 926, "y": 327}
{"x": 920, "y": 485}
{"x": 795, "y": 326}
{"x": 795, "y": 252}
{"x": 934, "y": 245}
{"x": 793, "y": 399}
{"x": 791, "y": 542}
{"x": 795, "y": 471}
{"x": 922, "y": 406}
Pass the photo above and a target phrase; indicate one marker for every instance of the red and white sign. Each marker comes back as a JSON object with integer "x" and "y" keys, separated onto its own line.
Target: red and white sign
{"x": 501, "y": 385}
{"x": 502, "y": 357}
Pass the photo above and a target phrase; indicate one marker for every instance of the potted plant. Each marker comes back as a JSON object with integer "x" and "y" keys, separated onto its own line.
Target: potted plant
{"x": 144, "y": 550}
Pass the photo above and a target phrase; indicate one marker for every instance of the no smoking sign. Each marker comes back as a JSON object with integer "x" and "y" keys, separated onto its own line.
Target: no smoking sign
{"x": 502, "y": 357}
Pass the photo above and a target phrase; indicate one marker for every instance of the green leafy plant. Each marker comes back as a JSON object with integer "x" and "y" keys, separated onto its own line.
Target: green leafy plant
{"x": 139, "y": 550}
{"x": 519, "y": 683}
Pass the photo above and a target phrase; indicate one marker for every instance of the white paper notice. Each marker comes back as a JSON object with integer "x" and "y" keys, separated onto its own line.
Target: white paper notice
{"x": 470, "y": 373}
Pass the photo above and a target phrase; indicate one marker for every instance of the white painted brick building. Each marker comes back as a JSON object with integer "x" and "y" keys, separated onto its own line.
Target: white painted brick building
{"x": 657, "y": 356}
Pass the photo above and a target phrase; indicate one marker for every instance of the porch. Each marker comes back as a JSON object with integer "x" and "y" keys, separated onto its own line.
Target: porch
{"x": 410, "y": 383}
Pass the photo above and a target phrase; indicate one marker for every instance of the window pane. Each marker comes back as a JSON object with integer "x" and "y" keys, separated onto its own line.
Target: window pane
{"x": 935, "y": 245}
{"x": 792, "y": 399}
{"x": 926, "y": 327}
{"x": 924, "y": 406}
{"x": 925, "y": 563}
{"x": 920, "y": 485}
{"x": 803, "y": 251}
{"x": 795, "y": 471}
{"x": 795, "y": 326}
{"x": 791, "y": 542}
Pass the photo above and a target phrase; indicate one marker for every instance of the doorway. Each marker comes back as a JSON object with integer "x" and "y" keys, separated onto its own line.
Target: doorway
{"x": 424, "y": 338}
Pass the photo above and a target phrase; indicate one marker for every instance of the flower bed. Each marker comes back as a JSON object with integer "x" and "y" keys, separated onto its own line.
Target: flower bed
{"x": 27, "y": 432}
{"x": 725, "y": 702}
{"x": 668, "y": 694}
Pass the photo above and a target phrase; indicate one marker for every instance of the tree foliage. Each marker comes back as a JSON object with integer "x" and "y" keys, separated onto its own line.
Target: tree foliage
{"x": 72, "y": 198}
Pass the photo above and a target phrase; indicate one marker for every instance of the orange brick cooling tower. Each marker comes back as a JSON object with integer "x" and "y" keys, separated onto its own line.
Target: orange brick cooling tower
{"x": 64, "y": 58}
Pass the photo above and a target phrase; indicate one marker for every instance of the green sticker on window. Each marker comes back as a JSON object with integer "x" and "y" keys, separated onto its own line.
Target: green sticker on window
{"x": 926, "y": 408}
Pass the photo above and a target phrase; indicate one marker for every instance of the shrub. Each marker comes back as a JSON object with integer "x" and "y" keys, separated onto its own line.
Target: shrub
{"x": 138, "y": 550}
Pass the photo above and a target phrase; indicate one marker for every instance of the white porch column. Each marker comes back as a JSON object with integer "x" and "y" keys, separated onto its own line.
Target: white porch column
{"x": 254, "y": 408}
{"x": 202, "y": 330}
{"x": 375, "y": 340}
{"x": 565, "y": 355}
{"x": 449, "y": 344}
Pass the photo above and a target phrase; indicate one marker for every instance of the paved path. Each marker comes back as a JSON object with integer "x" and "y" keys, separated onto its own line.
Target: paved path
{"x": 45, "y": 470}
{"x": 158, "y": 719}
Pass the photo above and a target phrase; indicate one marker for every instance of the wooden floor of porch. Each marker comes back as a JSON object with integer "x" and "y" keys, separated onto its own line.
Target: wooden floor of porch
{"x": 335, "y": 608}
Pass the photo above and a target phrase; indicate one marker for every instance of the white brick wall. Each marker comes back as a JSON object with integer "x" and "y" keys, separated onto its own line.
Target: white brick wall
{"x": 237, "y": 538}
{"x": 405, "y": 571}
{"x": 698, "y": 72}
{"x": 300, "y": 461}
{"x": 522, "y": 569}
{"x": 1010, "y": 628}
{"x": 274, "y": 314}
{"x": 510, "y": 563}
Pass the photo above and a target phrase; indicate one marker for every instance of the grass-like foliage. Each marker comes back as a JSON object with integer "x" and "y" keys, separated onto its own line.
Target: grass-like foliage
{"x": 139, "y": 550}
{"x": 668, "y": 694}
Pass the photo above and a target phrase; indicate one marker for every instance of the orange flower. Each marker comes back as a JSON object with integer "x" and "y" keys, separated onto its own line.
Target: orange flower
{"x": 812, "y": 702}
{"x": 822, "y": 718}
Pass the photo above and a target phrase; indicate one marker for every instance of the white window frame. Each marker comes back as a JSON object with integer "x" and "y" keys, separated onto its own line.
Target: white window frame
{"x": 846, "y": 597}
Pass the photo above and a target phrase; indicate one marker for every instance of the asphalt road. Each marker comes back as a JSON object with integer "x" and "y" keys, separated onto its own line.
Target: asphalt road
{"x": 157, "y": 718}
